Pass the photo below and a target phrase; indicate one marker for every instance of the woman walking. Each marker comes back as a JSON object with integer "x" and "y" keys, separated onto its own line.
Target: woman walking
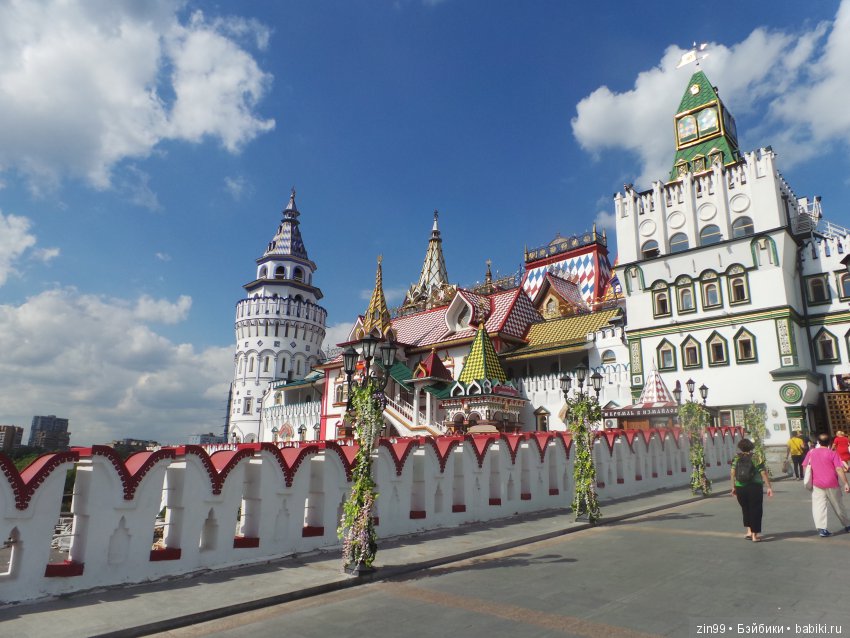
{"x": 748, "y": 480}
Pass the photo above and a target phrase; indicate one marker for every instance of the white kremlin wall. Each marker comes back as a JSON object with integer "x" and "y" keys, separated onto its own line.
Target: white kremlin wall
{"x": 260, "y": 502}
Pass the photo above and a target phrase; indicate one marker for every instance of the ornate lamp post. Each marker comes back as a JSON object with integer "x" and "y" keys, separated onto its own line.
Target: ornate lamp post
{"x": 694, "y": 418}
{"x": 581, "y": 412}
{"x": 364, "y": 414}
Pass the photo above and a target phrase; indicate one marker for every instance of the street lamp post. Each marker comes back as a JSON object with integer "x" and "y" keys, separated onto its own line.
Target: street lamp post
{"x": 693, "y": 417}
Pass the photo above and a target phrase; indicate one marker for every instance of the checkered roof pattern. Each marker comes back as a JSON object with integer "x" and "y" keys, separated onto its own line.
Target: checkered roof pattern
{"x": 482, "y": 362}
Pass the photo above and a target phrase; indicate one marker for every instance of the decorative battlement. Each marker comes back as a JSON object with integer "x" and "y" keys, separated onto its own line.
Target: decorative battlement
{"x": 257, "y": 502}
{"x": 561, "y": 245}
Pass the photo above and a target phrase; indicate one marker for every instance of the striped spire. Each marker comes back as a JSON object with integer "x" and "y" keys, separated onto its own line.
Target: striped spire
{"x": 434, "y": 275}
{"x": 377, "y": 315}
{"x": 482, "y": 361}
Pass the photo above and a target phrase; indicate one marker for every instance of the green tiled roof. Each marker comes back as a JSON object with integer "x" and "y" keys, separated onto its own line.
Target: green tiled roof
{"x": 482, "y": 361}
{"x": 725, "y": 140}
{"x": 705, "y": 95}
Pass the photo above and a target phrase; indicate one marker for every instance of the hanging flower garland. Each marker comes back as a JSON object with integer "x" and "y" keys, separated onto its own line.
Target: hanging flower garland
{"x": 357, "y": 525}
{"x": 694, "y": 419}
{"x": 754, "y": 424}
{"x": 582, "y": 412}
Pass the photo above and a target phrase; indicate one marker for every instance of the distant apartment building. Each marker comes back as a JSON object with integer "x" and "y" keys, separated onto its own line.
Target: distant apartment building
{"x": 135, "y": 445}
{"x": 49, "y": 433}
{"x": 205, "y": 439}
{"x": 10, "y": 437}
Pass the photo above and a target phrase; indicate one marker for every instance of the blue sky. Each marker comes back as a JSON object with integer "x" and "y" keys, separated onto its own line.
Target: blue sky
{"x": 147, "y": 149}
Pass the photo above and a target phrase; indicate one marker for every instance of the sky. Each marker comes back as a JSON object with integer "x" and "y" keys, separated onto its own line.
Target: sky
{"x": 147, "y": 149}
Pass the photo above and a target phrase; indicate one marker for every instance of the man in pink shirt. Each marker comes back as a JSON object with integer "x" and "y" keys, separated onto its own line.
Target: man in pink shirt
{"x": 827, "y": 468}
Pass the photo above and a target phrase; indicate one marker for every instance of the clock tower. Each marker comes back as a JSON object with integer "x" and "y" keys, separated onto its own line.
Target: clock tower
{"x": 704, "y": 128}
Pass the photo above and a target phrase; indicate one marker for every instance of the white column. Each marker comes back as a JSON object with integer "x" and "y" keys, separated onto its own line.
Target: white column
{"x": 428, "y": 408}
{"x": 415, "y": 405}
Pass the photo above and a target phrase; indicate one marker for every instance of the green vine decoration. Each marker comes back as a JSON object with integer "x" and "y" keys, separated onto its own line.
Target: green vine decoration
{"x": 357, "y": 525}
{"x": 694, "y": 419}
{"x": 754, "y": 424}
{"x": 582, "y": 412}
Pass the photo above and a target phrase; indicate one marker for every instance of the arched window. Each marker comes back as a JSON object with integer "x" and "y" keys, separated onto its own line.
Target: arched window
{"x": 661, "y": 303}
{"x": 609, "y": 357}
{"x": 710, "y": 235}
{"x": 686, "y": 299}
{"x": 280, "y": 273}
{"x": 710, "y": 294}
{"x": 263, "y": 272}
{"x": 844, "y": 286}
{"x": 251, "y": 364}
{"x": 738, "y": 292}
{"x": 266, "y": 362}
{"x": 650, "y": 249}
{"x": 298, "y": 274}
{"x": 818, "y": 289}
{"x": 678, "y": 243}
{"x": 742, "y": 227}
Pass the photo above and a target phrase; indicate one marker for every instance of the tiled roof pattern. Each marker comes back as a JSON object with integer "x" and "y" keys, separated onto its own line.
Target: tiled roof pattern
{"x": 432, "y": 366}
{"x": 581, "y": 268}
{"x": 481, "y": 306}
{"x": 705, "y": 95}
{"x": 655, "y": 390}
{"x": 429, "y": 327}
{"x": 522, "y": 315}
{"x": 567, "y": 290}
{"x": 482, "y": 361}
{"x": 377, "y": 314}
{"x": 566, "y": 330}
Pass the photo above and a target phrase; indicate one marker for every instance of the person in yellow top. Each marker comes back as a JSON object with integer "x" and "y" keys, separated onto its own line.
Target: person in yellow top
{"x": 797, "y": 450}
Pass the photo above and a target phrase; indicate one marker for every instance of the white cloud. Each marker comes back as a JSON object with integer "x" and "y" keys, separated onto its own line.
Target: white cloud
{"x": 162, "y": 256}
{"x": 92, "y": 83}
{"x": 392, "y": 295}
{"x": 15, "y": 239}
{"x": 162, "y": 310}
{"x": 337, "y": 333}
{"x": 97, "y": 362}
{"x": 135, "y": 184}
{"x": 606, "y": 220}
{"x": 237, "y": 186}
{"x": 46, "y": 254}
{"x": 793, "y": 81}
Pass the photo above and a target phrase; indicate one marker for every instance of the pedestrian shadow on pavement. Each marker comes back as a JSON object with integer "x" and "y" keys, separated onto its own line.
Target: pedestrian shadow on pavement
{"x": 660, "y": 518}
{"x": 524, "y": 559}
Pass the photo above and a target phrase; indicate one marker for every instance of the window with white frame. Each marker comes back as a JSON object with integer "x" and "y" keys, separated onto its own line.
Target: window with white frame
{"x": 745, "y": 347}
{"x": 691, "y": 353}
{"x": 718, "y": 353}
{"x": 661, "y": 303}
{"x": 678, "y": 243}
{"x": 686, "y": 298}
{"x": 649, "y": 249}
{"x": 711, "y": 294}
{"x": 826, "y": 347}
{"x": 817, "y": 289}
{"x": 666, "y": 356}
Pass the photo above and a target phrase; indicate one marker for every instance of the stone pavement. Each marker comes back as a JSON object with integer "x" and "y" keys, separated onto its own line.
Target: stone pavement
{"x": 154, "y": 607}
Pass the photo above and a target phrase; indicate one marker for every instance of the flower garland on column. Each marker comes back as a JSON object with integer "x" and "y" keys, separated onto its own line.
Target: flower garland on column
{"x": 357, "y": 525}
{"x": 754, "y": 423}
{"x": 582, "y": 412}
{"x": 694, "y": 419}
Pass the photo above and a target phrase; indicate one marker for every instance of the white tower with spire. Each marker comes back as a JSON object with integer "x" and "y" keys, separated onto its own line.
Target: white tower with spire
{"x": 279, "y": 326}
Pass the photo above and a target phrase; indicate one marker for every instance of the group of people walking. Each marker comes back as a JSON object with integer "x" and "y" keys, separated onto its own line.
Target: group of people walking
{"x": 821, "y": 468}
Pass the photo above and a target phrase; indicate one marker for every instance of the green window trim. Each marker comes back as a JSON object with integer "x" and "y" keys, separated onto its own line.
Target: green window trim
{"x": 823, "y": 336}
{"x": 730, "y": 280}
{"x": 743, "y": 333}
{"x": 703, "y": 286}
{"x": 713, "y": 339}
{"x": 657, "y": 296}
{"x": 811, "y": 288}
{"x": 686, "y": 345}
{"x": 840, "y": 277}
{"x": 666, "y": 346}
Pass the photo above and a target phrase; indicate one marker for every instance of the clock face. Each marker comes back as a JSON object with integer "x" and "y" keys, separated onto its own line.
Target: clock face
{"x": 687, "y": 129}
{"x": 707, "y": 120}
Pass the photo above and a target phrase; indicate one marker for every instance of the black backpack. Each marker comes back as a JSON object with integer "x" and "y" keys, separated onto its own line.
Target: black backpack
{"x": 745, "y": 469}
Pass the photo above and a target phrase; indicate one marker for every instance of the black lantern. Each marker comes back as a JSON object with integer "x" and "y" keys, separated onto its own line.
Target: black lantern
{"x": 703, "y": 392}
{"x": 677, "y": 393}
{"x": 566, "y": 382}
{"x": 596, "y": 382}
{"x": 581, "y": 375}
{"x": 691, "y": 384}
{"x": 387, "y": 354}
{"x": 349, "y": 360}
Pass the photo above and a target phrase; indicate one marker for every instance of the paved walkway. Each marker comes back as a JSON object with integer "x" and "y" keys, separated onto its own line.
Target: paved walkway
{"x": 146, "y": 609}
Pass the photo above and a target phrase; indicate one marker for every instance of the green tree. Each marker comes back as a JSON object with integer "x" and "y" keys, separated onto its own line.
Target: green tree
{"x": 357, "y": 525}
{"x": 582, "y": 412}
